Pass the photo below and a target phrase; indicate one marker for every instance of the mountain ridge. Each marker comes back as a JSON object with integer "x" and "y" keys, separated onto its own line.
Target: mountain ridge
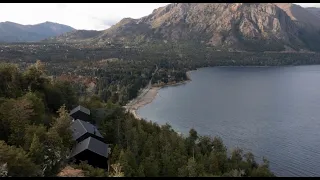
{"x": 314, "y": 10}
{"x": 235, "y": 26}
{"x": 14, "y": 32}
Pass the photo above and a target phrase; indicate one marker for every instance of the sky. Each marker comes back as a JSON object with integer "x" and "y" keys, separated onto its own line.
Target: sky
{"x": 88, "y": 16}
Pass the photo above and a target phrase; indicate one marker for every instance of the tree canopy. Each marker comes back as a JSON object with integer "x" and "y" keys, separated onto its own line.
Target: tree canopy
{"x": 35, "y": 138}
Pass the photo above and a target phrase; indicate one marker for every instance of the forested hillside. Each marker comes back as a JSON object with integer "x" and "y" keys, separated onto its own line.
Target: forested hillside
{"x": 34, "y": 122}
{"x": 35, "y": 138}
{"x": 117, "y": 74}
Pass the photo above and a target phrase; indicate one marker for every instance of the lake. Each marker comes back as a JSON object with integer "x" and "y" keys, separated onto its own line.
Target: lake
{"x": 271, "y": 111}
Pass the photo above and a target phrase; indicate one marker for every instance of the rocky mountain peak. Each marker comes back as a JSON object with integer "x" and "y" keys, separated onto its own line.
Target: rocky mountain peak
{"x": 268, "y": 26}
{"x": 220, "y": 21}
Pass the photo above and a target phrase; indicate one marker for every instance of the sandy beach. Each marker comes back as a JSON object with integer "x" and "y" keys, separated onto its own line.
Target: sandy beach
{"x": 147, "y": 95}
{"x": 141, "y": 101}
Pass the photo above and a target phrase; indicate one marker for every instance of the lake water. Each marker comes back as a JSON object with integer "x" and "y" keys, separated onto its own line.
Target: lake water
{"x": 271, "y": 111}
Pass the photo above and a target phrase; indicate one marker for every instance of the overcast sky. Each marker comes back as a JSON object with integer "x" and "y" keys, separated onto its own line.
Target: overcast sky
{"x": 97, "y": 16}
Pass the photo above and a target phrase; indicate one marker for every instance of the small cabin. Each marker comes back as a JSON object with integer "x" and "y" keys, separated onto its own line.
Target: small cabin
{"x": 80, "y": 112}
{"x": 90, "y": 145}
{"x": 95, "y": 152}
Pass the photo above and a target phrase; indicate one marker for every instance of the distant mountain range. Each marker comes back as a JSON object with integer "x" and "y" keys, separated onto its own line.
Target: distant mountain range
{"x": 314, "y": 10}
{"x": 13, "y": 32}
{"x": 225, "y": 26}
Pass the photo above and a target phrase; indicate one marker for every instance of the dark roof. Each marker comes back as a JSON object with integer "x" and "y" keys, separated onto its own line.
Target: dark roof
{"x": 80, "y": 127}
{"x": 93, "y": 145}
{"x": 80, "y": 108}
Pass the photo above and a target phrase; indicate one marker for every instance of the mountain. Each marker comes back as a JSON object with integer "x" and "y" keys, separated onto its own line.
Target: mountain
{"x": 300, "y": 15}
{"x": 79, "y": 35}
{"x": 232, "y": 26}
{"x": 13, "y": 32}
{"x": 314, "y": 10}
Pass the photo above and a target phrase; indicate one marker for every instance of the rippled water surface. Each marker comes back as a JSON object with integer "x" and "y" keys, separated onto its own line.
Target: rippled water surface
{"x": 270, "y": 111}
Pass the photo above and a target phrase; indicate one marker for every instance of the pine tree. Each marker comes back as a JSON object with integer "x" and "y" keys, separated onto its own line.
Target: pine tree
{"x": 38, "y": 107}
{"x": 62, "y": 127}
{"x": 18, "y": 114}
{"x": 123, "y": 161}
{"x": 191, "y": 167}
{"x": 151, "y": 168}
{"x": 115, "y": 154}
{"x": 36, "y": 151}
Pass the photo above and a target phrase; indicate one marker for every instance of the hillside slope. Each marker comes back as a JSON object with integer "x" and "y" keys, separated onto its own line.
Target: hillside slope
{"x": 75, "y": 36}
{"x": 13, "y": 32}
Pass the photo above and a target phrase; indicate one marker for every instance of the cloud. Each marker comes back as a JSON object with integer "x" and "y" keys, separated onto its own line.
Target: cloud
{"x": 61, "y": 5}
{"x": 104, "y": 23}
{"x": 89, "y": 16}
{"x": 109, "y": 22}
{"x": 308, "y": 4}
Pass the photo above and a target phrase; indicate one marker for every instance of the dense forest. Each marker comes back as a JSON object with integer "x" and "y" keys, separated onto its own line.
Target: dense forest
{"x": 35, "y": 138}
{"x": 35, "y": 98}
{"x": 118, "y": 72}
{"x": 34, "y": 122}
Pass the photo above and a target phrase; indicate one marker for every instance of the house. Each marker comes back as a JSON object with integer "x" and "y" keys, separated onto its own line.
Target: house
{"x": 80, "y": 112}
{"x": 95, "y": 152}
{"x": 82, "y": 130}
{"x": 90, "y": 145}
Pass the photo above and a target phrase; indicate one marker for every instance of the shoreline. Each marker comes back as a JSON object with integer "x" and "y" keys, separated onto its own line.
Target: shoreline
{"x": 148, "y": 95}
{"x": 141, "y": 101}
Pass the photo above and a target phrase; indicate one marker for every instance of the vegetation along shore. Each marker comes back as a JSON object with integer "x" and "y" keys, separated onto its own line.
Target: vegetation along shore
{"x": 148, "y": 94}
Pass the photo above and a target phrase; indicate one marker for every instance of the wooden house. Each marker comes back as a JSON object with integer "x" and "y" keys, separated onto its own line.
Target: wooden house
{"x": 90, "y": 145}
{"x": 80, "y": 112}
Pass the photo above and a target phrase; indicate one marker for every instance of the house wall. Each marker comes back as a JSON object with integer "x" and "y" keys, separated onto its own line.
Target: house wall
{"x": 92, "y": 158}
